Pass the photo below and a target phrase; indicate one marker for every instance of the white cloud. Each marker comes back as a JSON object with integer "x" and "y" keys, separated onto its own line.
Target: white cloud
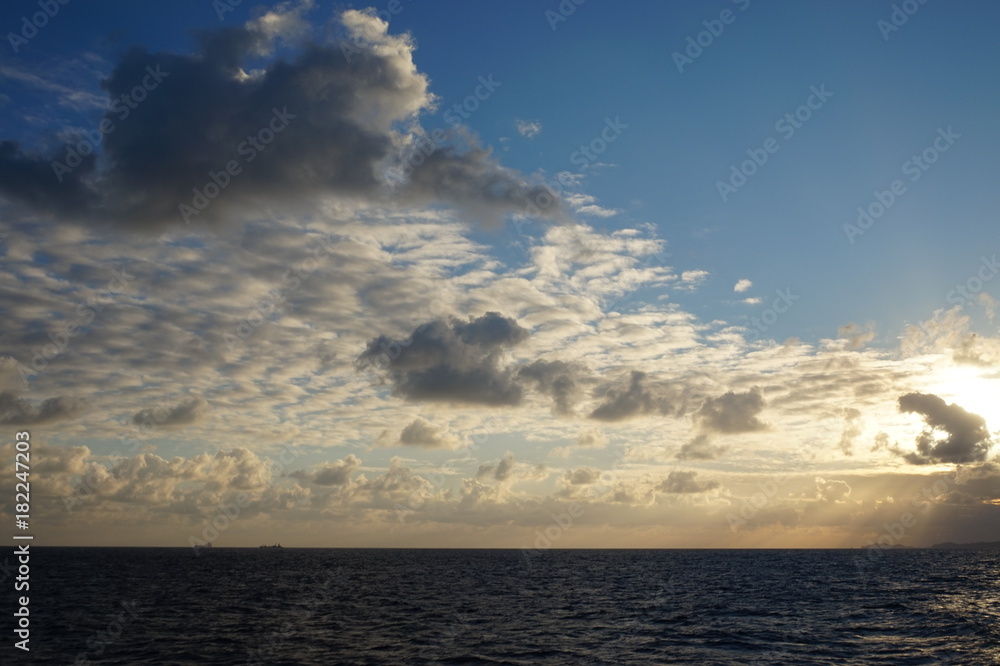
{"x": 529, "y": 128}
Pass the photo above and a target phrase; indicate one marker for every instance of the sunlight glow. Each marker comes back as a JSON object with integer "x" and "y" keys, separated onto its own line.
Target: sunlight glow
{"x": 973, "y": 389}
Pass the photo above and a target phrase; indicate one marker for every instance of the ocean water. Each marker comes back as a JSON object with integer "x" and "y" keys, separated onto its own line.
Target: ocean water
{"x": 359, "y": 606}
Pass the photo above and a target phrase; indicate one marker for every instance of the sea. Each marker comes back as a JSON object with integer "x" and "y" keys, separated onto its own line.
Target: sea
{"x": 422, "y": 606}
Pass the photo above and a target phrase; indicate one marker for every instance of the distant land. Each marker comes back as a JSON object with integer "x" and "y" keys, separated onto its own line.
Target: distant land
{"x": 980, "y": 545}
{"x": 949, "y": 545}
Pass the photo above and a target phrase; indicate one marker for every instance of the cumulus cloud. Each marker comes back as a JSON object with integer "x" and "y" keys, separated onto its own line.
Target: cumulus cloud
{"x": 331, "y": 119}
{"x": 185, "y": 413}
{"x": 733, "y": 412}
{"x": 337, "y": 473}
{"x": 700, "y": 448}
{"x": 742, "y": 285}
{"x": 636, "y": 397}
{"x": 583, "y": 476}
{"x": 507, "y": 470}
{"x": 426, "y": 435}
{"x": 450, "y": 360}
{"x": 967, "y": 437}
{"x": 591, "y": 438}
{"x": 679, "y": 482}
{"x": 18, "y": 411}
{"x": 832, "y": 491}
{"x": 558, "y": 379}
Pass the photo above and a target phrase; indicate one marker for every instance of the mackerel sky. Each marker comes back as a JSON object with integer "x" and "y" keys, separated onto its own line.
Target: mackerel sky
{"x": 520, "y": 274}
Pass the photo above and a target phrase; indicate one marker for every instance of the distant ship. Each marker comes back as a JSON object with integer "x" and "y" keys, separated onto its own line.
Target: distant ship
{"x": 277, "y": 545}
{"x": 199, "y": 546}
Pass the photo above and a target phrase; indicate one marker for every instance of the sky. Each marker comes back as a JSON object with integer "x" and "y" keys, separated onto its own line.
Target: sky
{"x": 525, "y": 275}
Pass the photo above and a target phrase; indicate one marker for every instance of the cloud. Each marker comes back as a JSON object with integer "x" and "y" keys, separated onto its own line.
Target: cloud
{"x": 475, "y": 182}
{"x": 185, "y": 413}
{"x": 585, "y": 204}
{"x": 636, "y": 398}
{"x": 700, "y": 448}
{"x": 529, "y": 128}
{"x": 330, "y": 119}
{"x": 425, "y": 435}
{"x": 852, "y": 429}
{"x": 337, "y": 473}
{"x": 678, "y": 482}
{"x": 591, "y": 438}
{"x": 558, "y": 379}
{"x": 17, "y": 411}
{"x": 968, "y": 439}
{"x": 584, "y": 476}
{"x": 989, "y": 304}
{"x": 450, "y": 361}
{"x": 832, "y": 491}
{"x": 690, "y": 280}
{"x": 856, "y": 336}
{"x": 502, "y": 470}
{"x": 742, "y": 285}
{"x": 733, "y": 412}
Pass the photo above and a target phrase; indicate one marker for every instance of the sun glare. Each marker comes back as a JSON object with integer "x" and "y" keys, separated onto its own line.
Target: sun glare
{"x": 971, "y": 388}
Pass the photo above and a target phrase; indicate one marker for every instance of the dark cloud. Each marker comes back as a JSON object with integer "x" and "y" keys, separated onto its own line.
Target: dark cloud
{"x": 498, "y": 471}
{"x": 733, "y": 412}
{"x": 17, "y": 411}
{"x": 678, "y": 482}
{"x": 557, "y": 379}
{"x": 326, "y": 121}
{"x": 700, "y": 448}
{"x": 475, "y": 181}
{"x": 450, "y": 361}
{"x": 185, "y": 413}
{"x": 967, "y": 440}
{"x": 637, "y": 398}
